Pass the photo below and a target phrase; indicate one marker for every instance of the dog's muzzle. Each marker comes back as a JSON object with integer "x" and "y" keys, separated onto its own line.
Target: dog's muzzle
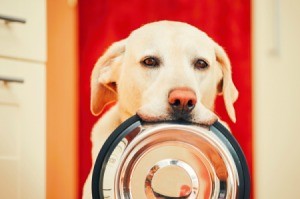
{"x": 170, "y": 160}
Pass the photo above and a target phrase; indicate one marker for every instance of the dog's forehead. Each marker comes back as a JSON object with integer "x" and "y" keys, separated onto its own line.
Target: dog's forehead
{"x": 168, "y": 34}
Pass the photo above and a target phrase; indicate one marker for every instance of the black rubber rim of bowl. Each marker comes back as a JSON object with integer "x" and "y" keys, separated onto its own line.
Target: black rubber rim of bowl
{"x": 133, "y": 122}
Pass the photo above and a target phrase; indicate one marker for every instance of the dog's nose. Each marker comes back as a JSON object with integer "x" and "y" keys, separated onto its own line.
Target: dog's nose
{"x": 182, "y": 100}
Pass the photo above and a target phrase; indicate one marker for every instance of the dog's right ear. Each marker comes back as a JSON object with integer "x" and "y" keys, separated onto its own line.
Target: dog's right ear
{"x": 104, "y": 77}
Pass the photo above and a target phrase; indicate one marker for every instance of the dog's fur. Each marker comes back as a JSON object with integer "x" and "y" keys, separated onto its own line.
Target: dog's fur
{"x": 119, "y": 76}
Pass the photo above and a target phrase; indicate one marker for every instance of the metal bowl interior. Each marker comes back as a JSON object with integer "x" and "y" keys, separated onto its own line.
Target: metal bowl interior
{"x": 169, "y": 160}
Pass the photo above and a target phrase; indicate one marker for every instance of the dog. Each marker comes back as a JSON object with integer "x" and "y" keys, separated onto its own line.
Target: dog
{"x": 163, "y": 71}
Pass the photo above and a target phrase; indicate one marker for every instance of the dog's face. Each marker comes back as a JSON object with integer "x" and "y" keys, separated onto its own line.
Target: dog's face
{"x": 164, "y": 71}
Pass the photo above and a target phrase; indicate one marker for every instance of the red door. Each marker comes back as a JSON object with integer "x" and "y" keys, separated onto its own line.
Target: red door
{"x": 102, "y": 22}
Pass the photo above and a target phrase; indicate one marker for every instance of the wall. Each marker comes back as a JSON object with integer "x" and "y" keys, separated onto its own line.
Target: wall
{"x": 276, "y": 98}
{"x": 62, "y": 98}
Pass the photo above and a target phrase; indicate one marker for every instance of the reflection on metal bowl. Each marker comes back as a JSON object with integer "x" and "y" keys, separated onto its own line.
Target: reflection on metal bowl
{"x": 170, "y": 160}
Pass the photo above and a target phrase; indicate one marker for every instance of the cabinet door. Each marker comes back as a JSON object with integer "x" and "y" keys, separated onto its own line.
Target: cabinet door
{"x": 23, "y": 40}
{"x": 22, "y": 130}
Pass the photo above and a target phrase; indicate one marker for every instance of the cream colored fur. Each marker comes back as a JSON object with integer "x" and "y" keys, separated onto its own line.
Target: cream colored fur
{"x": 119, "y": 76}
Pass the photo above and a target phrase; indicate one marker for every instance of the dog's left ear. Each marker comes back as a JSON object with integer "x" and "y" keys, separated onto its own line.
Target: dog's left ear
{"x": 227, "y": 88}
{"x": 104, "y": 77}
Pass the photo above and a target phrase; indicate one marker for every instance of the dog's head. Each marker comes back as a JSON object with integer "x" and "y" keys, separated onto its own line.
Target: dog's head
{"x": 164, "y": 71}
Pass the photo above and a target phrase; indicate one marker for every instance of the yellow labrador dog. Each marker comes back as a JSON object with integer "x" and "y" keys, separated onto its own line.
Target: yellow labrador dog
{"x": 163, "y": 71}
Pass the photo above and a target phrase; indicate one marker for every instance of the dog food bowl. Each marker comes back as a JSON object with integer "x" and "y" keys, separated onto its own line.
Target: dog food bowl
{"x": 173, "y": 160}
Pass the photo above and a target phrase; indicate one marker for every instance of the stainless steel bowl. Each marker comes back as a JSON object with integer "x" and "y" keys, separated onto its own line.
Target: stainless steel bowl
{"x": 170, "y": 160}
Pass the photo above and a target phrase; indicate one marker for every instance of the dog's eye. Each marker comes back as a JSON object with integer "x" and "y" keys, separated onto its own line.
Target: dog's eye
{"x": 201, "y": 64}
{"x": 150, "y": 62}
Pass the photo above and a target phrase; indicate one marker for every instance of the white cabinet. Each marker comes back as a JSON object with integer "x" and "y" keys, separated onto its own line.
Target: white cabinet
{"x": 22, "y": 105}
{"x": 276, "y": 98}
{"x": 23, "y": 40}
{"x": 22, "y": 131}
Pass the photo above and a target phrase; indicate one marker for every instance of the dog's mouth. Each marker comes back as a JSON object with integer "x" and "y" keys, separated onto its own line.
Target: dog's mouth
{"x": 186, "y": 118}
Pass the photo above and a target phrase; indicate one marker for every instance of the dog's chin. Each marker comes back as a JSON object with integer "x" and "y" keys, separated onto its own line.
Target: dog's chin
{"x": 189, "y": 118}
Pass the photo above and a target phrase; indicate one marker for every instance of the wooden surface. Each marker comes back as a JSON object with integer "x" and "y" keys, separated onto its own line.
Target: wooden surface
{"x": 62, "y": 98}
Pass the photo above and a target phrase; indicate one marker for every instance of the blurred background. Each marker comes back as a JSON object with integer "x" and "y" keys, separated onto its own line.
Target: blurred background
{"x": 48, "y": 49}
